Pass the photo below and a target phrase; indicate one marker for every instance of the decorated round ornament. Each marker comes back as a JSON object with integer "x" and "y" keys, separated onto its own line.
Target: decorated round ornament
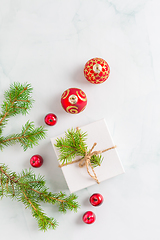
{"x": 96, "y": 70}
{"x": 73, "y": 100}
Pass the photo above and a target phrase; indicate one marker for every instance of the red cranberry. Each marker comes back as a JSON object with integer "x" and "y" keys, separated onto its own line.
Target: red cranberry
{"x": 89, "y": 217}
{"x": 36, "y": 161}
{"x": 50, "y": 119}
{"x": 96, "y": 199}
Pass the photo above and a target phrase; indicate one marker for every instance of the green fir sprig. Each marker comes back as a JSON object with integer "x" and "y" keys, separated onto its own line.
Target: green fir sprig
{"x": 28, "y": 137}
{"x": 74, "y": 144}
{"x": 31, "y": 190}
{"x": 18, "y": 100}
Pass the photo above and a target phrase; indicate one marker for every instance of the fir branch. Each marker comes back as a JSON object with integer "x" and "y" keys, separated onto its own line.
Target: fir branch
{"x": 28, "y": 138}
{"x": 31, "y": 190}
{"x": 18, "y": 100}
{"x": 96, "y": 160}
{"x": 74, "y": 144}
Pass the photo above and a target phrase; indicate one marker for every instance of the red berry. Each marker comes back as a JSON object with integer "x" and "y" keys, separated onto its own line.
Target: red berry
{"x": 96, "y": 199}
{"x": 36, "y": 161}
{"x": 89, "y": 217}
{"x": 50, "y": 119}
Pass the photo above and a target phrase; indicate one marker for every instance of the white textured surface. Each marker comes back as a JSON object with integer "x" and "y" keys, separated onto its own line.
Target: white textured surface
{"x": 47, "y": 43}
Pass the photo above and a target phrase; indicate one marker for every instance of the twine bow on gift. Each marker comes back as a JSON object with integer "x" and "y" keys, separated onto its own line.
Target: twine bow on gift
{"x": 86, "y": 160}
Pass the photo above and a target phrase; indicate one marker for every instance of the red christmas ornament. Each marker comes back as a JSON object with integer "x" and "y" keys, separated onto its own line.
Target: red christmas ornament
{"x": 36, "y": 161}
{"x": 89, "y": 217}
{"x": 96, "y": 199}
{"x": 96, "y": 70}
{"x": 74, "y": 100}
{"x": 50, "y": 119}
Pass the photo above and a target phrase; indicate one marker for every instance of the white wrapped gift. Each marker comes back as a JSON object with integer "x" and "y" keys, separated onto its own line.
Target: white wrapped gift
{"x": 78, "y": 178}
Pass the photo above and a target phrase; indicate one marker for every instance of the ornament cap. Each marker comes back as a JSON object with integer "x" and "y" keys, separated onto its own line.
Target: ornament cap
{"x": 73, "y": 99}
{"x": 97, "y": 68}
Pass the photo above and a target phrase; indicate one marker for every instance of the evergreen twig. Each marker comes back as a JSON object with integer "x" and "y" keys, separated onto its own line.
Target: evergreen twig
{"x": 31, "y": 190}
{"x": 74, "y": 144}
{"x": 28, "y": 138}
{"x": 18, "y": 100}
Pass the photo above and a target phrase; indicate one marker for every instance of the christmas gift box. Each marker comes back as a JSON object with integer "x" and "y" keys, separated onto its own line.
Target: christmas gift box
{"x": 87, "y": 155}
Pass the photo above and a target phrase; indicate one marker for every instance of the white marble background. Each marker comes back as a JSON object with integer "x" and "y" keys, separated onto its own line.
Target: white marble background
{"x": 46, "y": 43}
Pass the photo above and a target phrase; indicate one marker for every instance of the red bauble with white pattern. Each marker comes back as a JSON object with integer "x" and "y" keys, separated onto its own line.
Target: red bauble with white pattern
{"x": 74, "y": 100}
{"x": 96, "y": 70}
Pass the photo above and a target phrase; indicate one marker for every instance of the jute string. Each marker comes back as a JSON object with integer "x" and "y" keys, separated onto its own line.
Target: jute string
{"x": 86, "y": 161}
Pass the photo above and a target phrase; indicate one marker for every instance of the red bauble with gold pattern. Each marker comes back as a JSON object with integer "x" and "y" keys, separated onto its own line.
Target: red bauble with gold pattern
{"x": 73, "y": 100}
{"x": 96, "y": 70}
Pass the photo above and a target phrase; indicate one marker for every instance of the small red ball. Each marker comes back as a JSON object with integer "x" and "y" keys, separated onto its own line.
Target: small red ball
{"x": 50, "y": 119}
{"x": 74, "y": 100}
{"x": 89, "y": 217}
{"x": 36, "y": 161}
{"x": 96, "y": 70}
{"x": 96, "y": 199}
